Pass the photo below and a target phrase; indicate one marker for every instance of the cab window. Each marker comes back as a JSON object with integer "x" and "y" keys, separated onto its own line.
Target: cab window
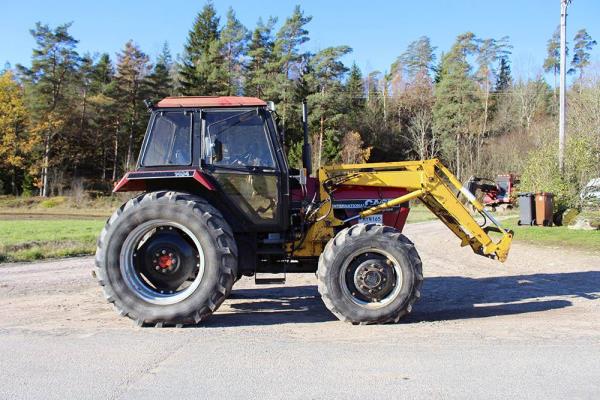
{"x": 238, "y": 142}
{"x": 237, "y": 139}
{"x": 169, "y": 141}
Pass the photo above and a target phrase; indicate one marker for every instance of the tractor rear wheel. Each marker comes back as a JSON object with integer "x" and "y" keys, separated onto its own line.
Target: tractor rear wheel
{"x": 369, "y": 274}
{"x": 166, "y": 258}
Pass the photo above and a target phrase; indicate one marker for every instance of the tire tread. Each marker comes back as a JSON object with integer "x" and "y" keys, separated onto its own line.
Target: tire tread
{"x": 346, "y": 236}
{"x": 220, "y": 230}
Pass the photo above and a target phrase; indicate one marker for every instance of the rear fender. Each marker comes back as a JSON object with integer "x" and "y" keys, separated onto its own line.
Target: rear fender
{"x": 137, "y": 181}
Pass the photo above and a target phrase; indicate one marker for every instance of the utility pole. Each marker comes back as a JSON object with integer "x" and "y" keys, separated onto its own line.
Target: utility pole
{"x": 563, "y": 83}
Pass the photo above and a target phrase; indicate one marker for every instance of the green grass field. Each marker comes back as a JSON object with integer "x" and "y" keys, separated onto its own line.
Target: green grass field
{"x": 59, "y": 207}
{"x": 419, "y": 213}
{"x": 544, "y": 236}
{"x": 560, "y": 236}
{"x": 31, "y": 237}
{"x": 35, "y": 239}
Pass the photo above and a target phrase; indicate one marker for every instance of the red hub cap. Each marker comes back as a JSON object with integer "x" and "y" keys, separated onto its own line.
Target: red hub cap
{"x": 165, "y": 261}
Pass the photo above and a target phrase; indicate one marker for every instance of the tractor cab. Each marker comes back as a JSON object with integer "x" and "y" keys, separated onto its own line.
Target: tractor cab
{"x": 226, "y": 148}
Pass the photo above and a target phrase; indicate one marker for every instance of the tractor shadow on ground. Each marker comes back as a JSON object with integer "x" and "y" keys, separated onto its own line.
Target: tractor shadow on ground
{"x": 443, "y": 298}
{"x": 272, "y": 306}
{"x": 454, "y": 297}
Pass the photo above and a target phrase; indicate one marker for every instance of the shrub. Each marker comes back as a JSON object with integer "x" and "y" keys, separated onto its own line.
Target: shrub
{"x": 29, "y": 188}
{"x": 52, "y": 202}
{"x": 541, "y": 173}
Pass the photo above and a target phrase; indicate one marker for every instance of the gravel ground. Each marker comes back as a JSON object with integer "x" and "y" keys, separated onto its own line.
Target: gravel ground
{"x": 529, "y": 328}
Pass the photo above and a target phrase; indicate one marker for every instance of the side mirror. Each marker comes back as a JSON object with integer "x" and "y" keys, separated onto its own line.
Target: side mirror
{"x": 217, "y": 151}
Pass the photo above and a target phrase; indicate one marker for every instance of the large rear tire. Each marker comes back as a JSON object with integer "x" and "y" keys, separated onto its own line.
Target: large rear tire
{"x": 369, "y": 274}
{"x": 166, "y": 258}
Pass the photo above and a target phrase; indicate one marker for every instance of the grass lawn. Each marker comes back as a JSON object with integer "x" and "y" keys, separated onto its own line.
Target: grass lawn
{"x": 419, "y": 213}
{"x": 560, "y": 236}
{"x": 34, "y": 239}
{"x": 59, "y": 207}
{"x": 27, "y": 238}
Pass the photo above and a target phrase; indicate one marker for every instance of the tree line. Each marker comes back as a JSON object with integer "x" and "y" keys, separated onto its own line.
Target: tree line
{"x": 71, "y": 117}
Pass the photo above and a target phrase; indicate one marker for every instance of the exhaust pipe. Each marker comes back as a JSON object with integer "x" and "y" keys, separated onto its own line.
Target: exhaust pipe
{"x": 306, "y": 149}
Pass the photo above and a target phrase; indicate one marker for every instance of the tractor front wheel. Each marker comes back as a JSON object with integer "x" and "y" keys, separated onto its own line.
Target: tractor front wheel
{"x": 166, "y": 258}
{"x": 369, "y": 274}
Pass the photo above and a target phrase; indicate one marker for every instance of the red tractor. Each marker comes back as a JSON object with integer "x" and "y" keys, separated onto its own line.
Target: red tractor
{"x": 494, "y": 194}
{"x": 218, "y": 200}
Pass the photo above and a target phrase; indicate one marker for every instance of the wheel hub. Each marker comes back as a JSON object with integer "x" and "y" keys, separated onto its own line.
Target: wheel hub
{"x": 371, "y": 278}
{"x": 166, "y": 260}
{"x": 374, "y": 279}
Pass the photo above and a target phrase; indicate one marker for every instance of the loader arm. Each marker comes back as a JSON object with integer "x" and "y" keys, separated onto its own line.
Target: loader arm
{"x": 436, "y": 187}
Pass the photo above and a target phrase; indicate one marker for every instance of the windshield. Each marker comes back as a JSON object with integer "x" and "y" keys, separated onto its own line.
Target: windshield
{"x": 237, "y": 139}
{"x": 169, "y": 142}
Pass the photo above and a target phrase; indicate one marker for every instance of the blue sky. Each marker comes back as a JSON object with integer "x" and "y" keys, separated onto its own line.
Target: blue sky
{"x": 378, "y": 31}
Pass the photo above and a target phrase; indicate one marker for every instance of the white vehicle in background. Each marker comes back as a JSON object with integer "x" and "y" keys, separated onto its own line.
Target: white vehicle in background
{"x": 591, "y": 192}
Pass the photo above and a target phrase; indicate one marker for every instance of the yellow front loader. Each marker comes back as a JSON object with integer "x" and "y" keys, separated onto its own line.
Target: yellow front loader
{"x": 428, "y": 181}
{"x": 370, "y": 272}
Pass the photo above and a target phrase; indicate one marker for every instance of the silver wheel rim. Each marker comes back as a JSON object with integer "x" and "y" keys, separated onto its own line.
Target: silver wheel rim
{"x": 131, "y": 277}
{"x": 382, "y": 302}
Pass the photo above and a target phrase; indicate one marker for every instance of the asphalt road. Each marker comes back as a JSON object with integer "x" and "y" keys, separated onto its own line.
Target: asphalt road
{"x": 527, "y": 329}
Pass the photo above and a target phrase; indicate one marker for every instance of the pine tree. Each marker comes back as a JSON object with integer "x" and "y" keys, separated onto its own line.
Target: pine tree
{"x": 133, "y": 68}
{"x": 437, "y": 70}
{"x": 581, "y": 54}
{"x": 53, "y": 66}
{"x": 160, "y": 84}
{"x": 488, "y": 52}
{"x": 327, "y": 101}
{"x": 194, "y": 73}
{"x": 103, "y": 73}
{"x": 419, "y": 57}
{"x": 373, "y": 115}
{"x": 211, "y": 67}
{"x": 85, "y": 72}
{"x": 104, "y": 104}
{"x": 234, "y": 37}
{"x": 456, "y": 106}
{"x": 286, "y": 70}
{"x": 260, "y": 54}
{"x": 290, "y": 37}
{"x": 552, "y": 61}
{"x": 504, "y": 79}
{"x": 80, "y": 145}
{"x": 355, "y": 90}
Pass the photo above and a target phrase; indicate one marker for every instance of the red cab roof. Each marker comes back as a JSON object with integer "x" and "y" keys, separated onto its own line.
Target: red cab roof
{"x": 210, "y": 101}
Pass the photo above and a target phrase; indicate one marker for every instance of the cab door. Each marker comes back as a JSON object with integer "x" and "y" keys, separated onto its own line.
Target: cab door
{"x": 238, "y": 151}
